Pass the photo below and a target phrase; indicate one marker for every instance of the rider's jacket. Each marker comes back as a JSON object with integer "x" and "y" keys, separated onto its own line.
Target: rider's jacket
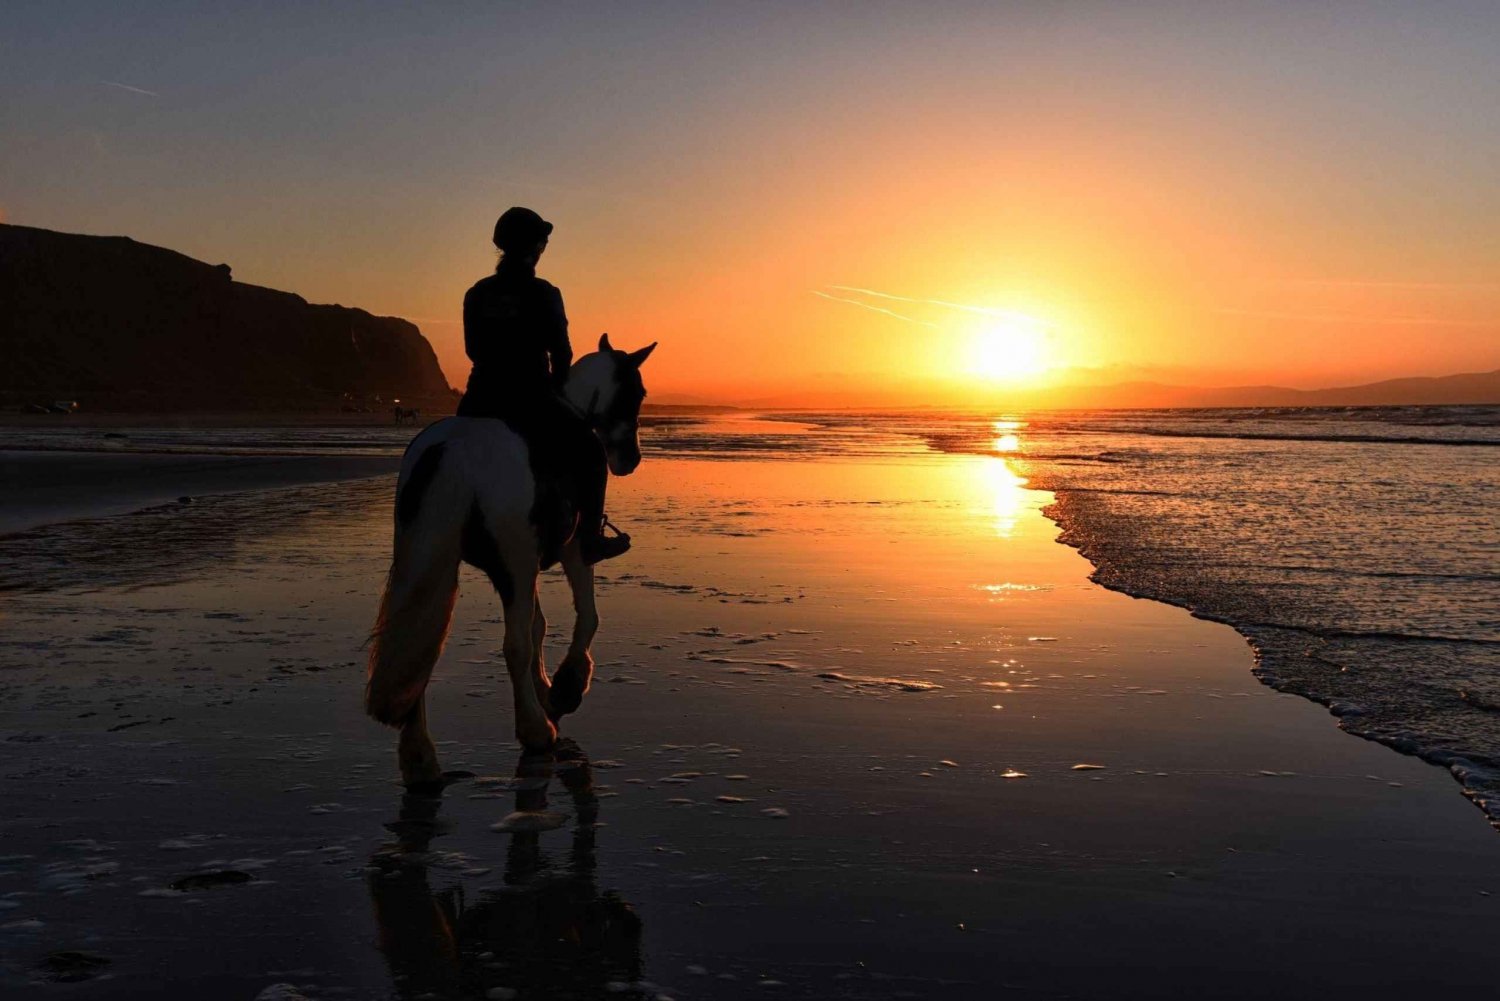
{"x": 516, "y": 334}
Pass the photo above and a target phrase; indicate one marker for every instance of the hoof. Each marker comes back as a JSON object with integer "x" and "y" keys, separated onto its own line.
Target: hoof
{"x": 419, "y": 765}
{"x": 540, "y": 738}
{"x": 430, "y": 788}
{"x": 568, "y": 686}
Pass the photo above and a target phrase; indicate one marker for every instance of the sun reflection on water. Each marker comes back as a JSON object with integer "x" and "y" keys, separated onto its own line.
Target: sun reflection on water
{"x": 1005, "y": 490}
{"x": 1006, "y": 439}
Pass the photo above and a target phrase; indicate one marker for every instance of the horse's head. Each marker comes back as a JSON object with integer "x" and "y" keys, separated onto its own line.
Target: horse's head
{"x": 606, "y": 389}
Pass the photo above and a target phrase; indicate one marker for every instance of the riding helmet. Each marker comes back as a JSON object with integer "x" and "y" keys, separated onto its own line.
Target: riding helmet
{"x": 520, "y": 229}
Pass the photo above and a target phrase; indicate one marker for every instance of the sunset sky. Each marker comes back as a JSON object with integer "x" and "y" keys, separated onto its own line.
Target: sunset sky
{"x": 933, "y": 198}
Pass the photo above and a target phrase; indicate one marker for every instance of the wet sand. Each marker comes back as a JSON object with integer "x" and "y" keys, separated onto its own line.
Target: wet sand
{"x": 39, "y": 488}
{"x": 832, "y": 751}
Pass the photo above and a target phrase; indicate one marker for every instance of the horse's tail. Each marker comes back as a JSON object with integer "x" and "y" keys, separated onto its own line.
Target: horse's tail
{"x": 417, "y": 605}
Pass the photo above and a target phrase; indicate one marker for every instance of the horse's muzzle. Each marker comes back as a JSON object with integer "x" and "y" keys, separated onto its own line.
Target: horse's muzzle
{"x": 624, "y": 461}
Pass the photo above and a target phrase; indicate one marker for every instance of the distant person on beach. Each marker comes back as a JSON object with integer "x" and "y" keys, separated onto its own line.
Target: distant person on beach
{"x": 516, "y": 334}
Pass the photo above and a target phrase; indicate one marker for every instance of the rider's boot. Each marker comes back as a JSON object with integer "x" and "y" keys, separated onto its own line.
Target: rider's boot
{"x": 597, "y": 546}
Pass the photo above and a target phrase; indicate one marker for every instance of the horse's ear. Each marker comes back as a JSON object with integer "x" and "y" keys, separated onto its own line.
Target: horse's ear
{"x": 604, "y": 343}
{"x": 638, "y": 358}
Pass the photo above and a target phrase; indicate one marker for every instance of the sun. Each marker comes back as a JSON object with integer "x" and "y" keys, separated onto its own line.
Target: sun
{"x": 1008, "y": 347}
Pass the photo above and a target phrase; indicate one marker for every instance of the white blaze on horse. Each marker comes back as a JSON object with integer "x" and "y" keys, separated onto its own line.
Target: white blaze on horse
{"x": 467, "y": 493}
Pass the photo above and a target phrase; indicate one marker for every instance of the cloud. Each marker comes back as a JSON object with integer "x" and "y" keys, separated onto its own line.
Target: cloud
{"x": 133, "y": 90}
{"x": 874, "y": 309}
{"x": 943, "y": 303}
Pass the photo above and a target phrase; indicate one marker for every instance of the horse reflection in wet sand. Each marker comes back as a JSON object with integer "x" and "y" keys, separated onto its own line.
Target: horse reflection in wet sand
{"x": 467, "y": 493}
{"x": 542, "y": 933}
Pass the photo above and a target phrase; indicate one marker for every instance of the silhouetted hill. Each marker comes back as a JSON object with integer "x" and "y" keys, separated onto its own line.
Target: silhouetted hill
{"x": 121, "y": 325}
{"x": 1472, "y": 387}
{"x": 1468, "y": 388}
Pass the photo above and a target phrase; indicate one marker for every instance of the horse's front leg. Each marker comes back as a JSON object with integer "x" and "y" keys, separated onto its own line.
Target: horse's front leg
{"x": 533, "y": 729}
{"x": 538, "y": 659}
{"x": 577, "y": 668}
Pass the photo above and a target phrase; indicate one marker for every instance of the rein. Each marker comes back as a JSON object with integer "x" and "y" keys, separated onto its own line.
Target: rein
{"x": 588, "y": 416}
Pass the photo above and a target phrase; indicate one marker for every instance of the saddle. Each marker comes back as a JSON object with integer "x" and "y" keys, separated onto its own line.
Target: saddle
{"x": 554, "y": 438}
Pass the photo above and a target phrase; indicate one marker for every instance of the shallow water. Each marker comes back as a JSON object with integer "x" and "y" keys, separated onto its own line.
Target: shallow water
{"x": 1357, "y": 548}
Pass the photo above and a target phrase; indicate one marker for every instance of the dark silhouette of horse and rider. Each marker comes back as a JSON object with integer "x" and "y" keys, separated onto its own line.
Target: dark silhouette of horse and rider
{"x": 512, "y": 484}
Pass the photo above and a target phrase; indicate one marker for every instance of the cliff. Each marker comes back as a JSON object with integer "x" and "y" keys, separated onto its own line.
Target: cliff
{"x": 120, "y": 325}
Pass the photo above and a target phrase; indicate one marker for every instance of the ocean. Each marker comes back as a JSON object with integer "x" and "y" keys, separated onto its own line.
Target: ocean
{"x": 1357, "y": 549}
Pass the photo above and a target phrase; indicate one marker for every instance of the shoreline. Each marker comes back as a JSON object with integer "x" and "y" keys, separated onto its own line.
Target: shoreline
{"x": 1478, "y": 781}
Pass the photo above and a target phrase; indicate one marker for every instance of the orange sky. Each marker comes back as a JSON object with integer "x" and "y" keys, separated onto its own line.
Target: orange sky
{"x": 1137, "y": 254}
{"x": 1185, "y": 193}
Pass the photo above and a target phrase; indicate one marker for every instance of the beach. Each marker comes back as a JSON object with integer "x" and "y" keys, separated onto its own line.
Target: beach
{"x": 861, "y": 728}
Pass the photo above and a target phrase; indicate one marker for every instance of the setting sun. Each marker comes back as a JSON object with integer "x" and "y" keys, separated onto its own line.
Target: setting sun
{"x": 1010, "y": 346}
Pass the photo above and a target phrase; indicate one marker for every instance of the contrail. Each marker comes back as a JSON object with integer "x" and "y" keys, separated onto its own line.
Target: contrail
{"x": 981, "y": 310}
{"x": 133, "y": 90}
{"x": 873, "y": 309}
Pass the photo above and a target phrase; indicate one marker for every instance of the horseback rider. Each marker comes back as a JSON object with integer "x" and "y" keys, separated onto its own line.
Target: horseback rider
{"x": 516, "y": 334}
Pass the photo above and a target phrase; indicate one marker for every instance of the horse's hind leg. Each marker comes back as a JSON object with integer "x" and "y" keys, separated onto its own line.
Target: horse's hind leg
{"x": 415, "y": 750}
{"x": 533, "y": 729}
{"x": 577, "y": 668}
{"x": 415, "y": 611}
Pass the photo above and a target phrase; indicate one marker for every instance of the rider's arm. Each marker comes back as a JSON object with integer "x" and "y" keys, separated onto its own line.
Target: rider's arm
{"x": 558, "y": 348}
{"x": 476, "y": 345}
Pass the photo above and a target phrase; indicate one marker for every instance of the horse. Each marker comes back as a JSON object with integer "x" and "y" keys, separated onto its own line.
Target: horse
{"x": 405, "y": 415}
{"x": 467, "y": 493}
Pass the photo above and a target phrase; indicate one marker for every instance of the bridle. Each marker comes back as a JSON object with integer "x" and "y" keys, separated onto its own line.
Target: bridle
{"x": 593, "y": 418}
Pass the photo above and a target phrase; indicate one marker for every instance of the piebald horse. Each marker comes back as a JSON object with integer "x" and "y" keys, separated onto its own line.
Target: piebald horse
{"x": 467, "y": 493}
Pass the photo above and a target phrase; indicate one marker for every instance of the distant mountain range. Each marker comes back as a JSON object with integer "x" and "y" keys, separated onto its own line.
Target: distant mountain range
{"x": 1476, "y": 387}
{"x": 1469, "y": 388}
{"x": 121, "y": 325}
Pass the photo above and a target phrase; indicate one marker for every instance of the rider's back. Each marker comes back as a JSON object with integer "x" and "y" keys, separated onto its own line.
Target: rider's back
{"x": 516, "y": 334}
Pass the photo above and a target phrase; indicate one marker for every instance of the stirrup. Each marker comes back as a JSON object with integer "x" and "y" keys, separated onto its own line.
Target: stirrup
{"x": 605, "y": 547}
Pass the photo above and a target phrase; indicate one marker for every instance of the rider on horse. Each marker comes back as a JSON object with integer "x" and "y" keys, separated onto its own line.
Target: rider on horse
{"x": 516, "y": 334}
